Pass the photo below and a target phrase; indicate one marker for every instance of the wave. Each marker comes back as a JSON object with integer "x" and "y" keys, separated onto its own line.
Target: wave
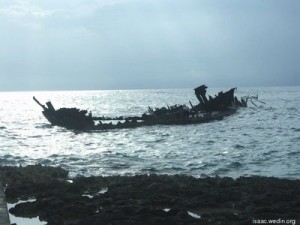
{"x": 237, "y": 146}
{"x": 295, "y": 129}
{"x": 234, "y": 165}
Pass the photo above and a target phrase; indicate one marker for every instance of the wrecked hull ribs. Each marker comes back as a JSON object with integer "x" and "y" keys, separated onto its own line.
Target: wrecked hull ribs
{"x": 208, "y": 110}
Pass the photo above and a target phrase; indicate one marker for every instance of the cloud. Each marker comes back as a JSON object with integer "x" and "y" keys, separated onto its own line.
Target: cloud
{"x": 23, "y": 8}
{"x": 133, "y": 43}
{"x": 26, "y": 14}
{"x": 34, "y": 14}
{"x": 89, "y": 8}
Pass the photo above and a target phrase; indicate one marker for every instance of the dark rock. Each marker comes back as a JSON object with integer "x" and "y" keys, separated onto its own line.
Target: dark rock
{"x": 49, "y": 203}
{"x": 141, "y": 199}
{"x": 25, "y": 209}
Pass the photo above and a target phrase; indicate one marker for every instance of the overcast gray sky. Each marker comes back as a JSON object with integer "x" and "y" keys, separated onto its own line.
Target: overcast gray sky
{"x": 124, "y": 44}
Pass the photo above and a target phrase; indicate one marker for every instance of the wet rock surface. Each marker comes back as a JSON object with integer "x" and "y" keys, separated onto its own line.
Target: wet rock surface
{"x": 148, "y": 199}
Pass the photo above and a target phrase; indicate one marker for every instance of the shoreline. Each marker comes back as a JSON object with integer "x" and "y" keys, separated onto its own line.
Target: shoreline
{"x": 148, "y": 199}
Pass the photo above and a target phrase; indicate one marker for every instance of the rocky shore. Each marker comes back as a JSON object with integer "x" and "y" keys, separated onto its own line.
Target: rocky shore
{"x": 149, "y": 199}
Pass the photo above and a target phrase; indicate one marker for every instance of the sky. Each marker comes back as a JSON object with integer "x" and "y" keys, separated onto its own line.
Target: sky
{"x": 137, "y": 44}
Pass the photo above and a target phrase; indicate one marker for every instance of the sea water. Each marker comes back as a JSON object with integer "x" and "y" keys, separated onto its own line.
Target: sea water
{"x": 263, "y": 139}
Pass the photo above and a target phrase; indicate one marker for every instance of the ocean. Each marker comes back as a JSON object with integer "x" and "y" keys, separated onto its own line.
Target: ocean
{"x": 258, "y": 140}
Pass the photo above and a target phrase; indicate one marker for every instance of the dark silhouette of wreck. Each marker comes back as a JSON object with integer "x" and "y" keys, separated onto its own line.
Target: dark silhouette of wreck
{"x": 211, "y": 109}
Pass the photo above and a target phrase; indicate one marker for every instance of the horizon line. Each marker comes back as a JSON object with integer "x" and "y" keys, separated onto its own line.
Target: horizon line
{"x": 137, "y": 89}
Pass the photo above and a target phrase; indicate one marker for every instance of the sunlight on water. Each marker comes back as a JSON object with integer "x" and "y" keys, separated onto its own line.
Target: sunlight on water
{"x": 259, "y": 140}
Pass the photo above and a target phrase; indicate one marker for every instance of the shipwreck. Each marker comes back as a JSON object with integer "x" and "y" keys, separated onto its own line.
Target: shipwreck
{"x": 207, "y": 110}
